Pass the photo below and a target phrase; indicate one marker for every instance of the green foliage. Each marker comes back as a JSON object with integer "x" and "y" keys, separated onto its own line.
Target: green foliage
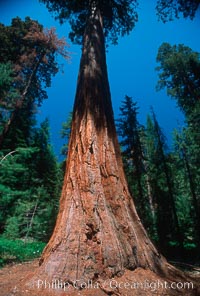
{"x": 30, "y": 177}
{"x": 12, "y": 228}
{"x": 18, "y": 250}
{"x": 119, "y": 17}
{"x": 131, "y": 134}
{"x": 23, "y": 50}
{"x": 30, "y": 180}
{"x": 28, "y": 62}
{"x": 20, "y": 129}
{"x": 179, "y": 73}
{"x": 163, "y": 183}
{"x": 7, "y": 92}
{"x": 187, "y": 180}
{"x": 190, "y": 246}
{"x": 5, "y": 78}
{"x": 154, "y": 151}
{"x": 65, "y": 133}
{"x": 129, "y": 130}
{"x": 46, "y": 162}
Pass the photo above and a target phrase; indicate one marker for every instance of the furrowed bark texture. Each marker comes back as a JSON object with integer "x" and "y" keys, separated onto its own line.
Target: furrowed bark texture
{"x": 98, "y": 232}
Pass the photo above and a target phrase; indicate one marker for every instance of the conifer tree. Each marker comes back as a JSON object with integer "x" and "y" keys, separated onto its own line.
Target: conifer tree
{"x": 162, "y": 184}
{"x": 130, "y": 130}
{"x": 190, "y": 174}
{"x": 65, "y": 133}
{"x": 31, "y": 54}
{"x": 29, "y": 173}
{"x": 179, "y": 68}
{"x": 179, "y": 73}
{"x": 98, "y": 232}
{"x": 30, "y": 180}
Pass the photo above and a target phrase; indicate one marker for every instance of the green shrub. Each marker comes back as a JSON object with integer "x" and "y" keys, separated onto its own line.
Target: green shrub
{"x": 12, "y": 228}
{"x": 190, "y": 246}
{"x": 18, "y": 250}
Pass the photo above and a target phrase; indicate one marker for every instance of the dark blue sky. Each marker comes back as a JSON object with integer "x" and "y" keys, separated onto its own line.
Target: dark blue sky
{"x": 131, "y": 64}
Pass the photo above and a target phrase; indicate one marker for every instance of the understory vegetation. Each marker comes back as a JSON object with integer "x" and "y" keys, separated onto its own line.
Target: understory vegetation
{"x": 19, "y": 250}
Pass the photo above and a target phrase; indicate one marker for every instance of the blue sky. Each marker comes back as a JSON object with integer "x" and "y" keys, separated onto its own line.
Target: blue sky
{"x": 131, "y": 64}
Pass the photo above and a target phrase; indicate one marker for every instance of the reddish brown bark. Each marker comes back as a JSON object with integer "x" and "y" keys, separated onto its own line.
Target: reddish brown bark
{"x": 98, "y": 232}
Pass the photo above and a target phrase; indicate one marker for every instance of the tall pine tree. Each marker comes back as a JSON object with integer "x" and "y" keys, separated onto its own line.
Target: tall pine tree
{"x": 130, "y": 132}
{"x": 162, "y": 184}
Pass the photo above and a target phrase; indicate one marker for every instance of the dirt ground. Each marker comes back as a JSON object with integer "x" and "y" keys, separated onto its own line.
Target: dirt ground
{"x": 140, "y": 282}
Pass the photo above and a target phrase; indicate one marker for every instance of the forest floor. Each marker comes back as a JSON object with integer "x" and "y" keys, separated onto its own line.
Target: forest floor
{"x": 139, "y": 282}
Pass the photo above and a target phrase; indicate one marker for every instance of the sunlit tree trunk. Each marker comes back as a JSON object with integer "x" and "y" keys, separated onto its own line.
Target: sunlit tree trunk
{"x": 98, "y": 232}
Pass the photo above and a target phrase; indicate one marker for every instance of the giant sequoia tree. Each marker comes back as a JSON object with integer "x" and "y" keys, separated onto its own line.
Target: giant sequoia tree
{"x": 98, "y": 232}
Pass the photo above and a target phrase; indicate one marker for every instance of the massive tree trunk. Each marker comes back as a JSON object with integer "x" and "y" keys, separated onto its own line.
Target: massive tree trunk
{"x": 98, "y": 232}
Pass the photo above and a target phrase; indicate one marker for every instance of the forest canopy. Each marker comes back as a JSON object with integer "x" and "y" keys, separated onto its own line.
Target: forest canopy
{"x": 119, "y": 17}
